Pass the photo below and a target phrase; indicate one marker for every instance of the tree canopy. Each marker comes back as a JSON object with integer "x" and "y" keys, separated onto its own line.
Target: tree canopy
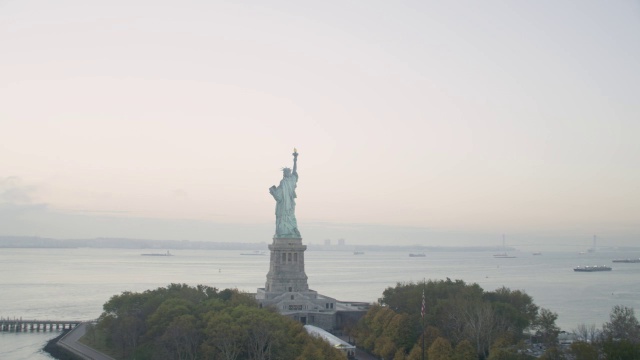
{"x": 461, "y": 321}
{"x": 187, "y": 323}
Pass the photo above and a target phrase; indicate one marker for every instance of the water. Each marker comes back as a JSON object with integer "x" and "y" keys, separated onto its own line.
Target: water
{"x": 72, "y": 284}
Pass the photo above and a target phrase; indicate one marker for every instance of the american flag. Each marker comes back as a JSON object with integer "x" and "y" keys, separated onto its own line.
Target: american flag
{"x": 422, "y": 311}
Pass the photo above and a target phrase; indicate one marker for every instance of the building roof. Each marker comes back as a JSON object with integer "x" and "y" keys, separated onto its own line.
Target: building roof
{"x": 335, "y": 341}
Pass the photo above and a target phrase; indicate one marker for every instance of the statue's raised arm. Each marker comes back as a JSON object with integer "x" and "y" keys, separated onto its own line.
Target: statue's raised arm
{"x": 295, "y": 162}
{"x": 285, "y": 195}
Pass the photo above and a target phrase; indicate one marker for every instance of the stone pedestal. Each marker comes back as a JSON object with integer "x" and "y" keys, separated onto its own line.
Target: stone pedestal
{"x": 287, "y": 289}
{"x": 286, "y": 269}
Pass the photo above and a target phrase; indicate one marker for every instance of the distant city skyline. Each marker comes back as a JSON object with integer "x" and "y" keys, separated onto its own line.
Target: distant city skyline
{"x": 430, "y": 123}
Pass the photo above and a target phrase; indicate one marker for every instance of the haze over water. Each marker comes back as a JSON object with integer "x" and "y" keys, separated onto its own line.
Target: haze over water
{"x": 75, "y": 283}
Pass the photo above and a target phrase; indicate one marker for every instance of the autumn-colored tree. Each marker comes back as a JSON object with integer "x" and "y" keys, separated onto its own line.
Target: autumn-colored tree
{"x": 400, "y": 355}
{"x": 440, "y": 350}
{"x": 553, "y": 353}
{"x": 416, "y": 353}
{"x": 455, "y": 311}
{"x": 465, "y": 351}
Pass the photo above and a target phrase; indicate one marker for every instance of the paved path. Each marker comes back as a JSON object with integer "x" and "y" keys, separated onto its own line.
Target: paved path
{"x": 70, "y": 342}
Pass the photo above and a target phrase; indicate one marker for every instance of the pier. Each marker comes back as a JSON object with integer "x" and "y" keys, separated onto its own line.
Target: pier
{"x": 20, "y": 325}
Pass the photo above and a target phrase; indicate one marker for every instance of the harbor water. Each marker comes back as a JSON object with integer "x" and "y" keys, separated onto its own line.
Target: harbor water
{"x": 73, "y": 284}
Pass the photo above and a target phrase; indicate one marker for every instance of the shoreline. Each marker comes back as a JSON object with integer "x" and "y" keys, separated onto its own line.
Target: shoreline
{"x": 58, "y": 352}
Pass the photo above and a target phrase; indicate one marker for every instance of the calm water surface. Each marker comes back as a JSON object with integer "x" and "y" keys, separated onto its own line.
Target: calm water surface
{"x": 72, "y": 284}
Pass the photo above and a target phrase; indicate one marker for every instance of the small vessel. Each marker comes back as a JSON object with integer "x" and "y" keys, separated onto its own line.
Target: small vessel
{"x": 503, "y": 255}
{"x": 256, "y": 252}
{"x": 537, "y": 253}
{"x": 417, "y": 255}
{"x": 592, "y": 268}
{"x": 158, "y": 254}
{"x": 358, "y": 253}
{"x": 627, "y": 260}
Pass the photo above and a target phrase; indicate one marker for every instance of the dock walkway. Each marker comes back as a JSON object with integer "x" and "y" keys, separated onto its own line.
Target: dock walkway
{"x": 19, "y": 325}
{"x": 70, "y": 342}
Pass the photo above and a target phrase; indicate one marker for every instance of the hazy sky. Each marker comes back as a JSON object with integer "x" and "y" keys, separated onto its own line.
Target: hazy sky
{"x": 417, "y": 122}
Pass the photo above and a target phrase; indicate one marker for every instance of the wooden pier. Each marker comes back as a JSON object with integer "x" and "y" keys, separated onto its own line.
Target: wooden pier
{"x": 20, "y": 325}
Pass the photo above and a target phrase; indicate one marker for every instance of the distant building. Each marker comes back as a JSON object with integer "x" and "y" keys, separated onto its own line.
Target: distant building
{"x": 341, "y": 242}
{"x": 327, "y": 242}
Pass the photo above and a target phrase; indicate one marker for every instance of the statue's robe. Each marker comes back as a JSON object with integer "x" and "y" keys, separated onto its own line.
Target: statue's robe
{"x": 285, "y": 194}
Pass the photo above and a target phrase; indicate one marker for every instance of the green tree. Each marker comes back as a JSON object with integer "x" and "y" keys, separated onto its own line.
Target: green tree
{"x": 546, "y": 326}
{"x": 622, "y": 325}
{"x": 525, "y": 310}
{"x": 620, "y": 350}
{"x": 181, "y": 339}
{"x": 584, "y": 351}
{"x": 224, "y": 338}
{"x": 481, "y": 326}
{"x": 183, "y": 322}
{"x": 168, "y": 310}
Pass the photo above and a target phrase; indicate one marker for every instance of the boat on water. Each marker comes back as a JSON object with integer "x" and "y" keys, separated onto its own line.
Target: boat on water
{"x": 592, "y": 268}
{"x": 358, "y": 253}
{"x": 627, "y": 260}
{"x": 158, "y": 254}
{"x": 417, "y": 255}
{"x": 255, "y": 253}
{"x": 503, "y": 254}
{"x": 537, "y": 253}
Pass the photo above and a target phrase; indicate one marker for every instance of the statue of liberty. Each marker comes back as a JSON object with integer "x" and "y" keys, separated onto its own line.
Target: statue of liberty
{"x": 285, "y": 195}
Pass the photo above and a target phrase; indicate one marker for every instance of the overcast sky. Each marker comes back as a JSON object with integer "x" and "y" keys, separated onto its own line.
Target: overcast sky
{"x": 417, "y": 122}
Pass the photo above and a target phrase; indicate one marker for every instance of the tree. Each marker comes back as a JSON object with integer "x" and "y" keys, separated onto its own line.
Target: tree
{"x": 440, "y": 350}
{"x": 623, "y": 325}
{"x": 515, "y": 306}
{"x": 400, "y": 355}
{"x": 620, "y": 350}
{"x": 504, "y": 350}
{"x": 224, "y": 336}
{"x": 586, "y": 333}
{"x": 546, "y": 326}
{"x": 584, "y": 351}
{"x": 481, "y": 326}
{"x": 416, "y": 353}
{"x": 465, "y": 351}
{"x": 384, "y": 347}
{"x": 553, "y": 353}
{"x": 181, "y": 339}
{"x": 183, "y": 322}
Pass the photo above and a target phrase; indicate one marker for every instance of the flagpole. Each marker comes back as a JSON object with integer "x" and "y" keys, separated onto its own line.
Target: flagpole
{"x": 422, "y": 311}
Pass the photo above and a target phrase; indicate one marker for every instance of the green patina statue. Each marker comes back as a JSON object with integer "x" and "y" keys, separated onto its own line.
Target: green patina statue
{"x": 285, "y": 195}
